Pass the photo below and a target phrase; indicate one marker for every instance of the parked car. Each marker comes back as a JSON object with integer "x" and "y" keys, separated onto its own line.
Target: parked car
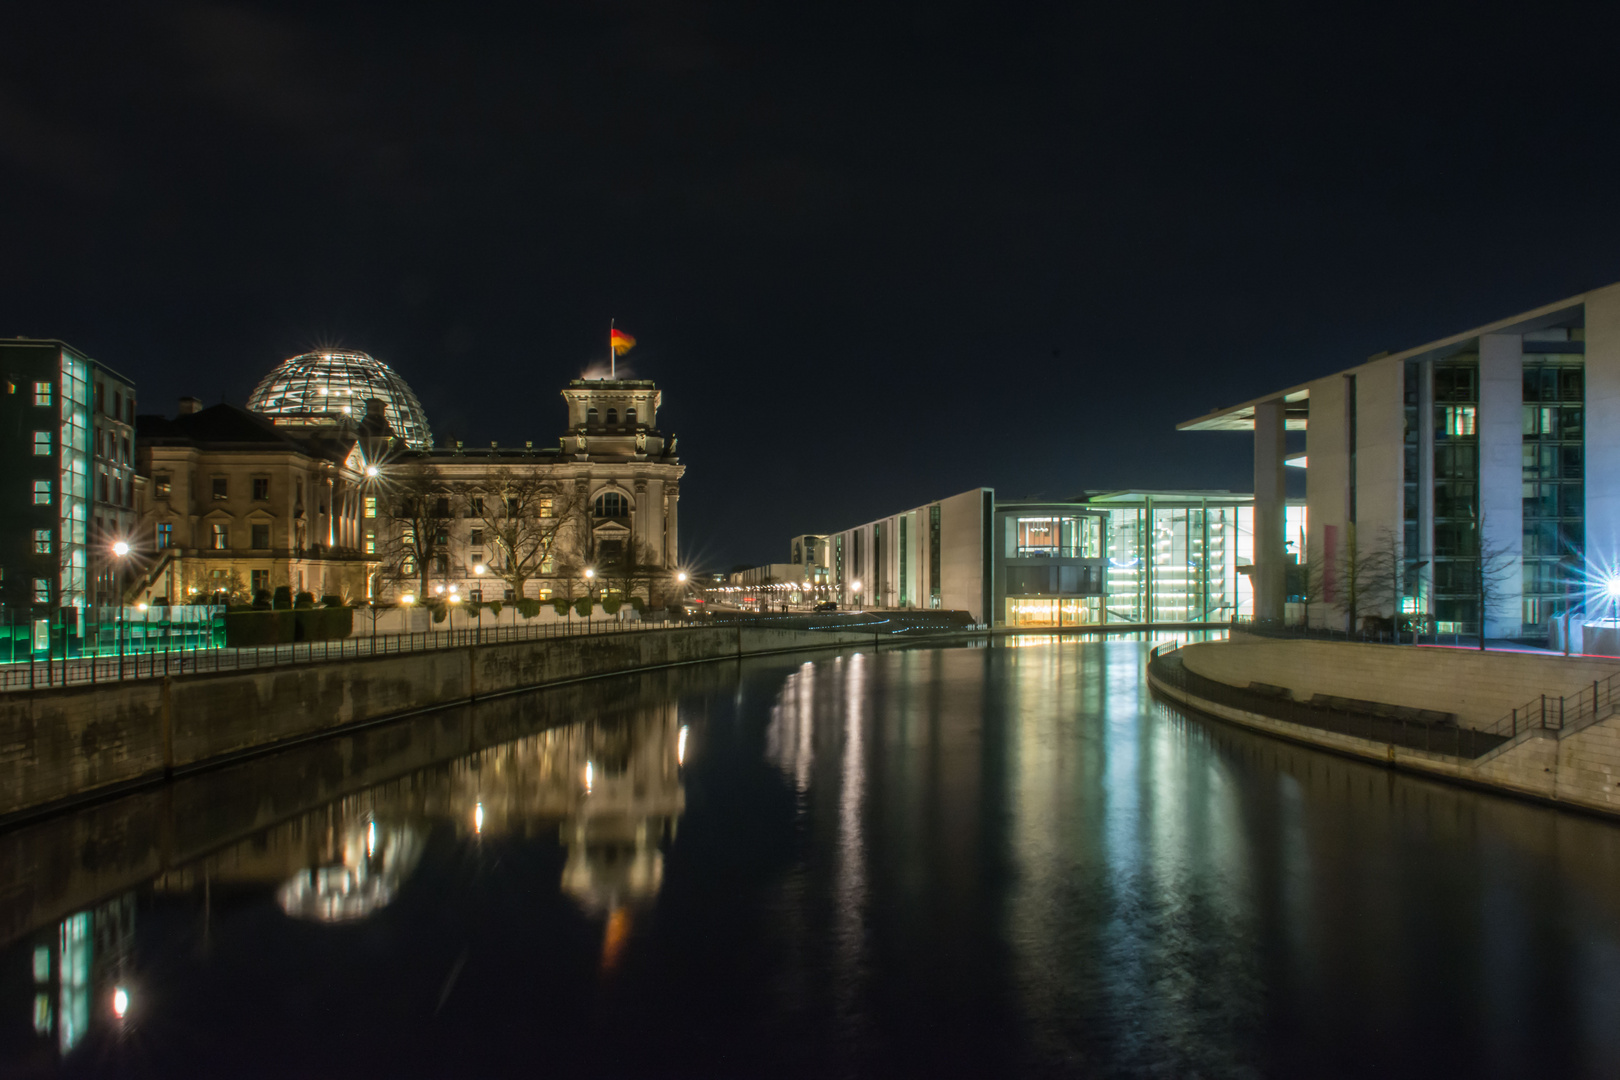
{"x": 827, "y": 605}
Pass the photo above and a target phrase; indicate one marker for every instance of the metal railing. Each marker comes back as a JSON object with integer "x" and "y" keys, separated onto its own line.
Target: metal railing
{"x": 55, "y": 672}
{"x": 1449, "y": 739}
{"x": 1562, "y": 712}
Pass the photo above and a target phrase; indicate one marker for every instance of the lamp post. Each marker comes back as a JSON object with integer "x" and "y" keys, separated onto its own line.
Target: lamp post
{"x": 120, "y": 549}
{"x": 455, "y": 598}
{"x": 855, "y": 588}
{"x": 479, "y": 569}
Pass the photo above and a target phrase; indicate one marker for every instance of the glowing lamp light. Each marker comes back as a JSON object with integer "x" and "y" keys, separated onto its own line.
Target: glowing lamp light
{"x": 479, "y": 569}
{"x": 1611, "y": 588}
{"x": 120, "y": 1002}
{"x": 478, "y": 818}
{"x": 590, "y": 774}
{"x": 439, "y": 589}
{"x": 407, "y": 599}
{"x": 854, "y": 586}
{"x": 140, "y": 607}
{"x": 120, "y": 548}
{"x": 371, "y": 470}
{"x": 681, "y": 576}
{"x": 589, "y": 572}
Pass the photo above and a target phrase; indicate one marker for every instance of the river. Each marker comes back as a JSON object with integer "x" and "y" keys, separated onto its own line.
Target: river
{"x": 996, "y": 861}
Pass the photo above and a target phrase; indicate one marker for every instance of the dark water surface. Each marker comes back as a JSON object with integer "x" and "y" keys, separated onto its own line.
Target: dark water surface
{"x": 1002, "y": 861}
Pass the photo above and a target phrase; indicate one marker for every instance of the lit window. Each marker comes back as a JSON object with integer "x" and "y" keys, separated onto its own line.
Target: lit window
{"x": 42, "y": 393}
{"x": 371, "y": 543}
{"x": 545, "y": 506}
{"x": 371, "y": 506}
{"x": 222, "y": 537}
{"x": 42, "y": 541}
{"x": 42, "y": 493}
{"x": 42, "y": 590}
{"x": 160, "y": 486}
{"x": 42, "y": 444}
{"x": 165, "y": 535}
{"x": 1458, "y": 420}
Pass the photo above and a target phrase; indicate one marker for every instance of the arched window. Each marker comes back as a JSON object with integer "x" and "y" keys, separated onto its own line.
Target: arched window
{"x": 630, "y": 417}
{"x": 611, "y": 504}
{"x": 590, "y": 416}
{"x": 613, "y": 417}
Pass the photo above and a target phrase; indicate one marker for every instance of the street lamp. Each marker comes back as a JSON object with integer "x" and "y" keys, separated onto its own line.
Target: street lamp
{"x": 479, "y": 569}
{"x": 455, "y": 598}
{"x": 120, "y": 549}
{"x": 855, "y": 587}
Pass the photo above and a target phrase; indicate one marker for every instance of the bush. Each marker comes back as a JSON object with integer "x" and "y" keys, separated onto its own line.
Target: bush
{"x": 438, "y": 612}
{"x": 323, "y": 624}
{"x": 528, "y": 608}
{"x": 332, "y": 600}
{"x": 610, "y": 605}
{"x": 304, "y": 600}
{"x": 561, "y": 605}
{"x": 494, "y": 608}
{"x": 261, "y": 600}
{"x": 282, "y": 600}
{"x": 582, "y": 607}
{"x": 638, "y": 605}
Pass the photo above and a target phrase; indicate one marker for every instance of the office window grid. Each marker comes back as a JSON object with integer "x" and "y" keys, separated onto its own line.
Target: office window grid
{"x": 1456, "y": 495}
{"x": 1554, "y": 488}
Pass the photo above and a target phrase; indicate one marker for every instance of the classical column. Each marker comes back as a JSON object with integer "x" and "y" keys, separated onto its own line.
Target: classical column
{"x": 650, "y": 517}
{"x": 672, "y": 550}
{"x": 1270, "y": 503}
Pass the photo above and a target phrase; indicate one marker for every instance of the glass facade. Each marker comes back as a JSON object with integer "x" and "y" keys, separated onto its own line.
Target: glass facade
{"x": 1554, "y": 485}
{"x": 1456, "y": 494}
{"x": 1179, "y": 562}
{"x": 333, "y": 386}
{"x": 73, "y": 492}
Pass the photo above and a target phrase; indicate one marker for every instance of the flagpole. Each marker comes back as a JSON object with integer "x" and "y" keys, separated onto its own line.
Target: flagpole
{"x": 613, "y": 355}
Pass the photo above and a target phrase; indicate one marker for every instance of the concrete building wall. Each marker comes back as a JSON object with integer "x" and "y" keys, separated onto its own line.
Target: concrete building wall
{"x": 56, "y": 744}
{"x": 963, "y": 538}
{"x": 1603, "y": 426}
{"x": 1380, "y": 430}
{"x": 1501, "y": 503}
{"x": 1327, "y": 481}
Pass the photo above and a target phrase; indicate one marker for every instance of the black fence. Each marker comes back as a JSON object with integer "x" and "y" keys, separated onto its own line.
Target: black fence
{"x": 91, "y": 671}
{"x": 1439, "y": 737}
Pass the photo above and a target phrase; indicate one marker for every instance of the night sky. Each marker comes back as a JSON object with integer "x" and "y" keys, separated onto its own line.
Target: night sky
{"x": 873, "y": 253}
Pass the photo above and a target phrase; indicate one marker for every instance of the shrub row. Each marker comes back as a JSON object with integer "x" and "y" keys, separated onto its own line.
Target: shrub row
{"x": 245, "y": 629}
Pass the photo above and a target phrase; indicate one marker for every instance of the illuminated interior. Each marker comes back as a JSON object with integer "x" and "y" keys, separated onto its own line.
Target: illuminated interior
{"x": 329, "y": 387}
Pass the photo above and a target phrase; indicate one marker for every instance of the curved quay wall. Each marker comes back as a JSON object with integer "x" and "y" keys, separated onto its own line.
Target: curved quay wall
{"x": 60, "y": 746}
{"x": 1576, "y": 768}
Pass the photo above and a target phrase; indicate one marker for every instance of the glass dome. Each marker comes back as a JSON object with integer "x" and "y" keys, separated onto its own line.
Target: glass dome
{"x": 329, "y": 386}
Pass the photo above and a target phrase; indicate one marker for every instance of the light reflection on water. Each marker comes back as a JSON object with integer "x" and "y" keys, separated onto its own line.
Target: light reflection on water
{"x": 993, "y": 861}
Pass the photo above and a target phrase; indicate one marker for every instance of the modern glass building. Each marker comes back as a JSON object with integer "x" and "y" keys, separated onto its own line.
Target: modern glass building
{"x": 70, "y": 493}
{"x": 1479, "y": 464}
{"x": 332, "y": 387}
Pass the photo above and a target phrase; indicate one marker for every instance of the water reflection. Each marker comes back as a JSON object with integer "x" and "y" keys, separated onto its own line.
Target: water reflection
{"x": 997, "y": 861}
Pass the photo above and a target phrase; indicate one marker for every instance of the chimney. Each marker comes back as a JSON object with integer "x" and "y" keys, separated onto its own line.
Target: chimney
{"x": 189, "y": 405}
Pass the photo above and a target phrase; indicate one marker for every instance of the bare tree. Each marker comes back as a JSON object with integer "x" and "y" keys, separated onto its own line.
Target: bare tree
{"x": 526, "y": 520}
{"x": 631, "y": 571}
{"x": 1490, "y": 574}
{"x": 1362, "y": 580}
{"x": 422, "y": 513}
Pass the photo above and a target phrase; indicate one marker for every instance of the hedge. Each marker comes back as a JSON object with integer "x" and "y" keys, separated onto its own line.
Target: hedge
{"x": 561, "y": 605}
{"x": 246, "y": 629}
{"x": 610, "y": 605}
{"x": 528, "y": 607}
{"x": 582, "y": 607}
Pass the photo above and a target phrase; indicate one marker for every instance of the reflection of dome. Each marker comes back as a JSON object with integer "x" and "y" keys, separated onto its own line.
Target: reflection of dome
{"x": 328, "y": 386}
{"x": 603, "y": 878}
{"x": 375, "y": 864}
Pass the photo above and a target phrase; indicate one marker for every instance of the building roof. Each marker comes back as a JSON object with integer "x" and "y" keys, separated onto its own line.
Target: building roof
{"x": 331, "y": 386}
{"x": 1241, "y": 417}
{"x": 226, "y": 427}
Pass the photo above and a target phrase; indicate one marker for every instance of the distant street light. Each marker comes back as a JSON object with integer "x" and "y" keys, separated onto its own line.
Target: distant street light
{"x": 120, "y": 548}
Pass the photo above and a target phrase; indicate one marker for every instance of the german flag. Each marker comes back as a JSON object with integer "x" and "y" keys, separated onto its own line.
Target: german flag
{"x": 621, "y": 342}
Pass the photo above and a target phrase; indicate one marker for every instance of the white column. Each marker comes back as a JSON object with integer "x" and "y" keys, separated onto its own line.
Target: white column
{"x": 1603, "y": 429}
{"x": 1501, "y": 503}
{"x": 1270, "y": 502}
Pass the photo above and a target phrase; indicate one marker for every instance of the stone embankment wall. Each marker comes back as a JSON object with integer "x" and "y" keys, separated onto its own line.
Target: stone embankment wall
{"x": 1480, "y": 687}
{"x": 1577, "y": 768}
{"x": 61, "y": 744}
